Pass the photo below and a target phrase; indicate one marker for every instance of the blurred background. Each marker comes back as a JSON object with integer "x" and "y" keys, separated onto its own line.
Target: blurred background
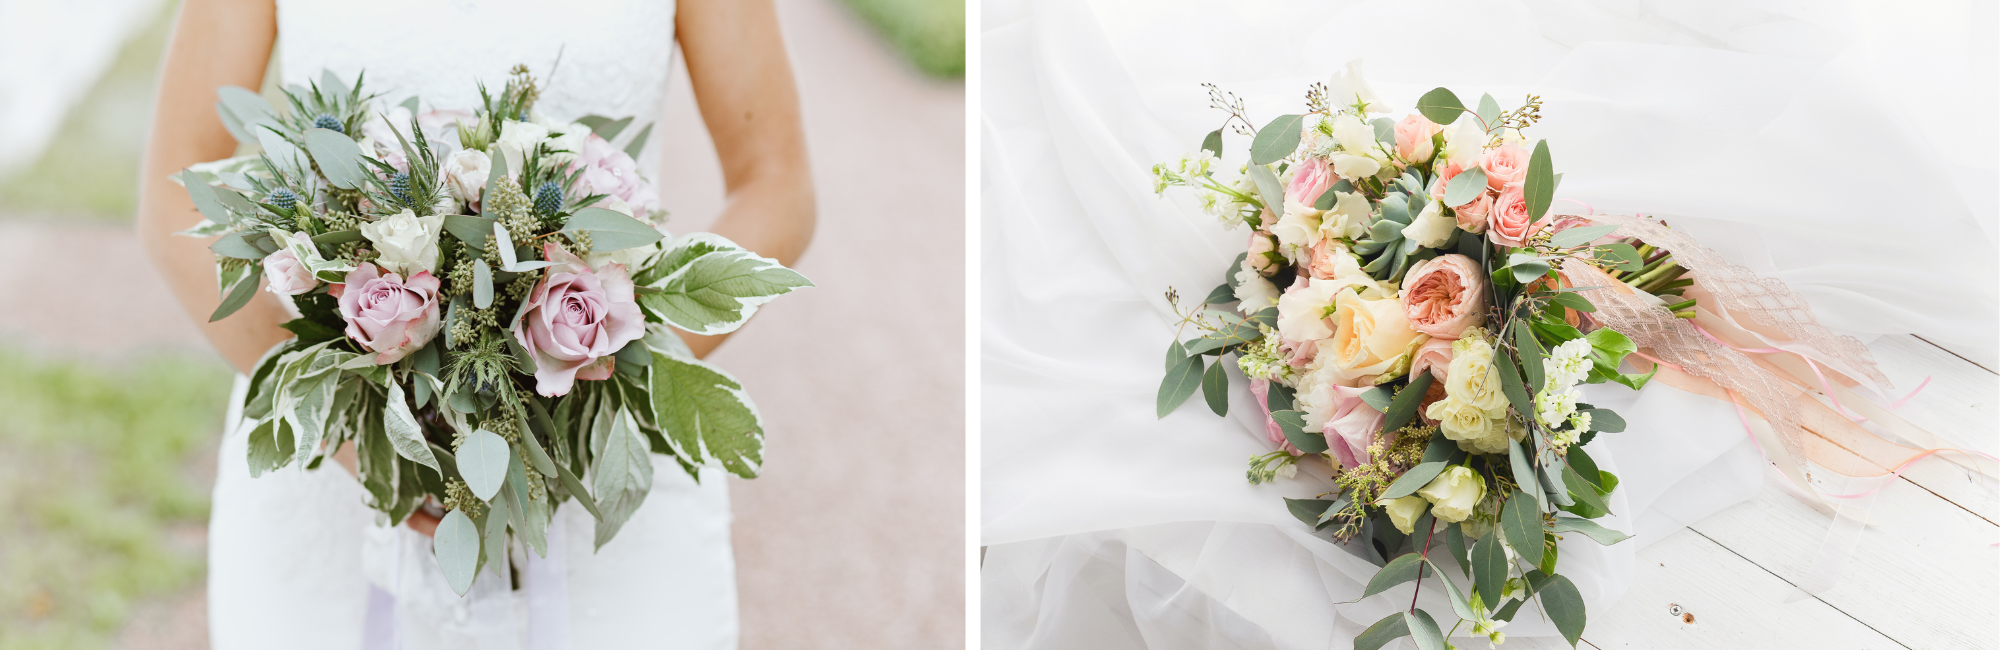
{"x": 111, "y": 404}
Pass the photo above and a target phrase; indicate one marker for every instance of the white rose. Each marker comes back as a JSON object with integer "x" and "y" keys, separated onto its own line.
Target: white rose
{"x": 1298, "y": 228}
{"x": 1404, "y": 512}
{"x": 465, "y": 174}
{"x": 408, "y": 244}
{"x": 566, "y": 136}
{"x": 517, "y": 139}
{"x": 1466, "y": 424}
{"x": 1431, "y": 228}
{"x": 1347, "y": 88}
{"x": 1253, "y": 292}
{"x": 1302, "y": 311}
{"x": 1454, "y": 493}
{"x": 1369, "y": 336}
{"x": 1473, "y": 379}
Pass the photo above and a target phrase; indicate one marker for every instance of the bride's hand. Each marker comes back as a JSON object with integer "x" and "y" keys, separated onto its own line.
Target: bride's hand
{"x": 421, "y": 521}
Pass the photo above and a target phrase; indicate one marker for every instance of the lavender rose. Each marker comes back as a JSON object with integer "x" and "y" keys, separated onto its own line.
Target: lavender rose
{"x": 576, "y": 319}
{"x": 607, "y": 170}
{"x": 387, "y": 314}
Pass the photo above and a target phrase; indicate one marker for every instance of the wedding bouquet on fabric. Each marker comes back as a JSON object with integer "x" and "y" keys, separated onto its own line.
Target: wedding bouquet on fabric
{"x": 1410, "y": 309}
{"x": 485, "y": 303}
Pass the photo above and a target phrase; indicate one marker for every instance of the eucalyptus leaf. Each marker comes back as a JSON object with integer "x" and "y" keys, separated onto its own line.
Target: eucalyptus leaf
{"x": 284, "y": 156}
{"x": 1415, "y": 479}
{"x": 204, "y": 197}
{"x": 1580, "y": 235}
{"x": 1215, "y": 388}
{"x": 472, "y": 231}
{"x": 1424, "y": 630}
{"x": 1278, "y": 140}
{"x": 1377, "y": 398}
{"x": 236, "y": 245}
{"x": 1523, "y": 469}
{"x": 482, "y": 462}
{"x": 239, "y": 293}
{"x": 1404, "y": 406}
{"x": 1530, "y": 351}
{"x": 1489, "y": 566}
{"x": 1521, "y": 520}
{"x": 1293, "y": 423}
{"x": 1269, "y": 191}
{"x": 1460, "y": 605}
{"x": 1455, "y": 543}
{"x": 1308, "y": 511}
{"x": 1621, "y": 256}
{"x": 638, "y": 142}
{"x": 509, "y": 257}
{"x": 482, "y": 284}
{"x": 1584, "y": 493}
{"x": 1591, "y": 529}
{"x": 1510, "y": 385}
{"x": 1605, "y": 420}
{"x": 1565, "y": 607}
{"x": 456, "y": 542}
{"x": 1465, "y": 187}
{"x": 1391, "y": 627}
{"x": 1213, "y": 143}
{"x": 1397, "y": 571}
{"x": 1440, "y": 105}
{"x": 610, "y": 230}
{"x": 1539, "y": 189}
{"x": 338, "y": 156}
{"x": 1573, "y": 301}
{"x": 1222, "y": 295}
{"x": 1179, "y": 384}
{"x": 1489, "y": 112}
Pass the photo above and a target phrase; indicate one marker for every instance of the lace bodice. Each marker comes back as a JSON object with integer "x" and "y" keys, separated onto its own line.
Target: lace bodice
{"x": 615, "y": 54}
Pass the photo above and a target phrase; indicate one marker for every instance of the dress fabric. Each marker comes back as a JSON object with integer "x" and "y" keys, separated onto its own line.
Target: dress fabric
{"x": 1109, "y": 528}
{"x": 293, "y": 554}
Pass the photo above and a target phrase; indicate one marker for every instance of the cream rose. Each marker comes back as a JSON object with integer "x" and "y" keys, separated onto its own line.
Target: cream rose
{"x": 465, "y": 173}
{"x": 1369, "y": 336}
{"x": 1405, "y": 512}
{"x": 1454, "y": 493}
{"x": 1473, "y": 379}
{"x": 517, "y": 139}
{"x": 408, "y": 244}
{"x": 1468, "y": 425}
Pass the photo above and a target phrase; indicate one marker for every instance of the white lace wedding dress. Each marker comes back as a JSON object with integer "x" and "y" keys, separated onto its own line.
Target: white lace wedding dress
{"x": 1772, "y": 131}
{"x": 295, "y": 558}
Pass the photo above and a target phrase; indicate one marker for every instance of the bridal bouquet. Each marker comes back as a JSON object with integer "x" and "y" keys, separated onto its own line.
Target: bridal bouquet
{"x": 486, "y": 309}
{"x": 1407, "y": 309}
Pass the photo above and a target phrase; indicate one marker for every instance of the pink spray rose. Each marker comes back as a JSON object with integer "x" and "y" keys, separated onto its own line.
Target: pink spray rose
{"x": 1444, "y": 296}
{"x": 1509, "y": 223}
{"x": 387, "y": 314}
{"x": 1413, "y": 138}
{"x": 1325, "y": 261}
{"x": 1435, "y": 356}
{"x": 576, "y": 319}
{"x": 1472, "y": 215}
{"x": 1261, "y": 388}
{"x": 1310, "y": 181}
{"x": 1504, "y": 164}
{"x": 1350, "y": 429}
{"x": 1261, "y": 251}
{"x": 608, "y": 170}
{"x": 286, "y": 274}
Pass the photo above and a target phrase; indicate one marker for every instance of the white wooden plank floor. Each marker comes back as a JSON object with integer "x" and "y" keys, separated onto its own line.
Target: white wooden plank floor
{"x": 1924, "y": 575}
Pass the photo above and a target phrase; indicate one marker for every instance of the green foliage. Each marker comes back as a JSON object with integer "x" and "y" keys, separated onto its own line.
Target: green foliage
{"x": 96, "y": 487}
{"x": 929, "y": 33}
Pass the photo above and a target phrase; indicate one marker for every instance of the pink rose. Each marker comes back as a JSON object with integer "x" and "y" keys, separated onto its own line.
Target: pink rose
{"x": 287, "y": 275}
{"x": 1350, "y": 429}
{"x": 1435, "y": 356}
{"x": 1504, "y": 164}
{"x": 1309, "y": 181}
{"x": 387, "y": 314}
{"x": 1413, "y": 138}
{"x": 1472, "y": 215}
{"x": 1509, "y": 223}
{"x": 576, "y": 319}
{"x": 1444, "y": 296}
{"x": 1262, "y": 247}
{"x": 607, "y": 170}
{"x": 1261, "y": 388}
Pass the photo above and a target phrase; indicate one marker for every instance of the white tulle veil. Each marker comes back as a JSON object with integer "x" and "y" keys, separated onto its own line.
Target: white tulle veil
{"x": 1825, "y": 145}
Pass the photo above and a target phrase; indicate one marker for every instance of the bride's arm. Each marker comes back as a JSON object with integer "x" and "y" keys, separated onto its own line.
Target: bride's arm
{"x": 215, "y": 43}
{"x": 743, "y": 84}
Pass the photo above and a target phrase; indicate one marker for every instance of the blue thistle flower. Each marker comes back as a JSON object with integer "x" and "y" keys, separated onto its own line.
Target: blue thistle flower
{"x": 548, "y": 197}
{"x": 282, "y": 197}
{"x": 399, "y": 185}
{"x": 327, "y": 122}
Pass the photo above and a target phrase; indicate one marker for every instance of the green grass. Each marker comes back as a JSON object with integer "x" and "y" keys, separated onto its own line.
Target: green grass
{"x": 930, "y": 33}
{"x": 96, "y": 477}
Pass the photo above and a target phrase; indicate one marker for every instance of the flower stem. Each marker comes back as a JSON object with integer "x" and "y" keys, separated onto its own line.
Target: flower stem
{"x": 1420, "y": 568}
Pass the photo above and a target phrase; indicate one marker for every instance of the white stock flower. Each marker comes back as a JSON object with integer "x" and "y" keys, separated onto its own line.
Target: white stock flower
{"x": 1349, "y": 217}
{"x": 1567, "y": 365}
{"x": 1464, "y": 142}
{"x": 1297, "y": 229}
{"x": 1348, "y": 87}
{"x": 1302, "y": 311}
{"x": 1430, "y": 228}
{"x": 1454, "y": 493}
{"x": 408, "y": 244}
{"x": 1253, "y": 292}
{"x": 1553, "y": 408}
{"x": 465, "y": 173}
